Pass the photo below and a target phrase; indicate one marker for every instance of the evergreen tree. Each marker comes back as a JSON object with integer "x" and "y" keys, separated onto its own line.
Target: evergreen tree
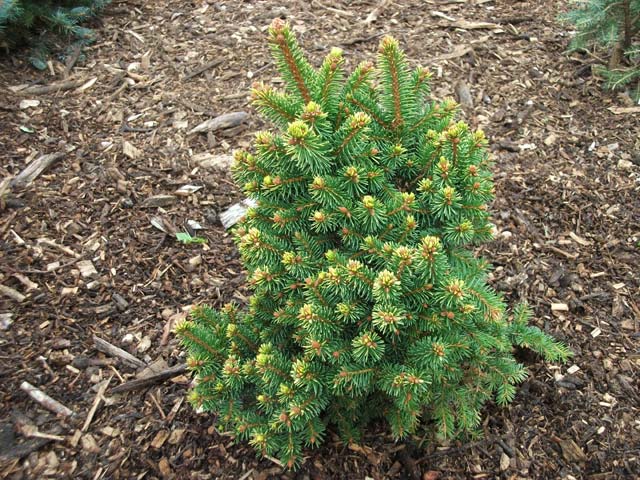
{"x": 614, "y": 24}
{"x": 367, "y": 299}
{"x": 37, "y": 22}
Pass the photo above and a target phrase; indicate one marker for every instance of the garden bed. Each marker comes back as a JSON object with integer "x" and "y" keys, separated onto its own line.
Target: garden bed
{"x": 88, "y": 248}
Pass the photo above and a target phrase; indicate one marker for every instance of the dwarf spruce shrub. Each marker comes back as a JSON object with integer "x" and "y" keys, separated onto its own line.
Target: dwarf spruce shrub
{"x": 39, "y": 22}
{"x": 368, "y": 301}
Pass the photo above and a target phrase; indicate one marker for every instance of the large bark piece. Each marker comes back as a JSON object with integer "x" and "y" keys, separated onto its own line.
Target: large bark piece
{"x": 228, "y": 120}
{"x": 35, "y": 168}
{"x": 235, "y": 212}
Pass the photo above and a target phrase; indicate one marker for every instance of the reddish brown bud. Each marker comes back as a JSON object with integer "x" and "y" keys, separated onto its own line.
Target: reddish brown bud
{"x": 278, "y": 25}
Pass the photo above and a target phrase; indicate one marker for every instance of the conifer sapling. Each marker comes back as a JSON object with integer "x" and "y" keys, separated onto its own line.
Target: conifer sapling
{"x": 40, "y": 22}
{"x": 368, "y": 300}
{"x": 614, "y": 24}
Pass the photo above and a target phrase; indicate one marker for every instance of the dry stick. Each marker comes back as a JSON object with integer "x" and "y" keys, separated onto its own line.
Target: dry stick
{"x": 45, "y": 400}
{"x": 26, "y": 282}
{"x": 158, "y": 406}
{"x": 35, "y": 168}
{"x": 96, "y": 403}
{"x": 62, "y": 248}
{"x": 128, "y": 128}
{"x": 515, "y": 20}
{"x": 353, "y": 41}
{"x": 246, "y": 474}
{"x": 63, "y": 265}
{"x": 571, "y": 256}
{"x": 114, "y": 351}
{"x": 375, "y": 13}
{"x": 24, "y": 449}
{"x": 234, "y": 96}
{"x": 274, "y": 460}
{"x": 23, "y": 425}
{"x": 202, "y": 69}
{"x": 263, "y": 67}
{"x": 56, "y": 87}
{"x": 623, "y": 110}
{"x": 35, "y": 433}
{"x": 151, "y": 379}
{"x": 459, "y": 51}
{"x": 120, "y": 89}
{"x": 174, "y": 410}
{"x": 337, "y": 11}
{"x": 71, "y": 61}
{"x": 11, "y": 293}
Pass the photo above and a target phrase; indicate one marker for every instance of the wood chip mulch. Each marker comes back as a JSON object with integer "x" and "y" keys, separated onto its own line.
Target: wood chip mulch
{"x": 92, "y": 278}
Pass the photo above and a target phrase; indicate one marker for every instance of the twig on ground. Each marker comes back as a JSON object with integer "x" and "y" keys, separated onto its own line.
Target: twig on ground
{"x": 151, "y": 379}
{"x": 45, "y": 400}
{"x": 274, "y": 460}
{"x": 35, "y": 168}
{"x": 337, "y": 11}
{"x": 114, "y": 351}
{"x": 375, "y": 13}
{"x": 174, "y": 410}
{"x": 26, "y": 428}
{"x": 71, "y": 60}
{"x": 62, "y": 265}
{"x": 11, "y": 293}
{"x": 96, "y": 403}
{"x": 459, "y": 51}
{"x": 202, "y": 69}
{"x": 155, "y": 401}
{"x": 62, "y": 248}
{"x": 246, "y": 474}
{"x": 26, "y": 282}
{"x": 55, "y": 87}
{"x": 353, "y": 41}
{"x": 262, "y": 68}
{"x": 571, "y": 256}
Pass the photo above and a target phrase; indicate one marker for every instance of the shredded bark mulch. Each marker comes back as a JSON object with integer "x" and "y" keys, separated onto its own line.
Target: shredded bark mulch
{"x": 92, "y": 278}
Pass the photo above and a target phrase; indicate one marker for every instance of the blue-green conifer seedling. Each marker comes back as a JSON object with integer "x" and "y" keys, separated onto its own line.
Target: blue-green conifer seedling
{"x": 368, "y": 301}
{"x": 39, "y": 23}
{"x": 614, "y": 24}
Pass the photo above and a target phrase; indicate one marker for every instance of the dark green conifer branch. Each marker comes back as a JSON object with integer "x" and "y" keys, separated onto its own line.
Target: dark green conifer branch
{"x": 615, "y": 25}
{"x": 40, "y": 23}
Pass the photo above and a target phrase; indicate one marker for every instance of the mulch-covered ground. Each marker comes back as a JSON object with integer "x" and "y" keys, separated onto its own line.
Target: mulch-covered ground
{"x": 88, "y": 248}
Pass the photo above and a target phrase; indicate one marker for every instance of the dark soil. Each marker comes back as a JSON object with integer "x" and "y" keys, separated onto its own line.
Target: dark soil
{"x": 567, "y": 215}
